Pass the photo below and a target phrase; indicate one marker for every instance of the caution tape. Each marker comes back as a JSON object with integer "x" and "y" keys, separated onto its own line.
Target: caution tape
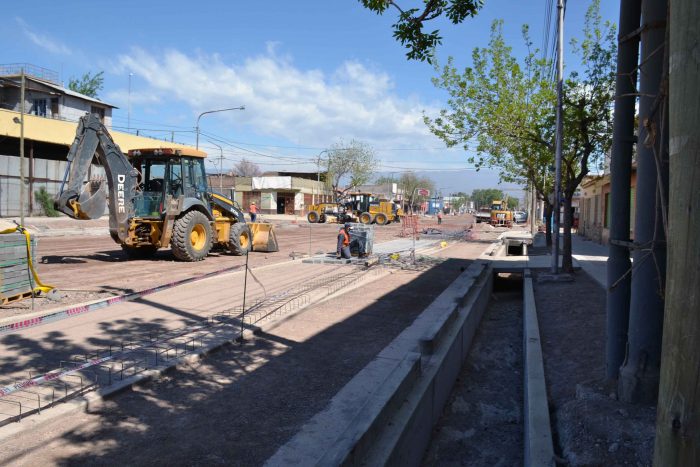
{"x": 50, "y": 376}
{"x": 82, "y": 309}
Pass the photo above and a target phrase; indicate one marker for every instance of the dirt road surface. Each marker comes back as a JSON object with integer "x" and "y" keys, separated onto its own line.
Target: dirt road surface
{"x": 239, "y": 404}
{"x": 91, "y": 267}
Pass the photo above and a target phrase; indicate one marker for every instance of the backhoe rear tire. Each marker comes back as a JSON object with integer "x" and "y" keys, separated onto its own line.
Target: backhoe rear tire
{"x": 366, "y": 218}
{"x": 240, "y": 239}
{"x": 142, "y": 252}
{"x": 312, "y": 217}
{"x": 192, "y": 237}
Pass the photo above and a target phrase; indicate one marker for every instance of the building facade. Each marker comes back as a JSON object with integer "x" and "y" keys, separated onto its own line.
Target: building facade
{"x": 47, "y": 127}
{"x": 595, "y": 207}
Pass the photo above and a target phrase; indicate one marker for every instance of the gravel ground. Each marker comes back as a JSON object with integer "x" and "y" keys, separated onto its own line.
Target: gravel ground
{"x": 591, "y": 427}
{"x": 482, "y": 421}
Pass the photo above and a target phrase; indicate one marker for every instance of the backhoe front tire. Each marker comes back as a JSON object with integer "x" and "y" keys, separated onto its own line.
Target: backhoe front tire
{"x": 312, "y": 217}
{"x": 192, "y": 237}
{"x": 381, "y": 219}
{"x": 240, "y": 239}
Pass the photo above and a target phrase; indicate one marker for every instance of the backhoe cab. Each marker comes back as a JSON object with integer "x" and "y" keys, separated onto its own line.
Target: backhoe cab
{"x": 157, "y": 197}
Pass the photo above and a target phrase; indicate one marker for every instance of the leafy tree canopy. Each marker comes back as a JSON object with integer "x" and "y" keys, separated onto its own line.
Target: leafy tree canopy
{"x": 353, "y": 163}
{"x": 409, "y": 28}
{"x": 88, "y": 84}
{"x": 484, "y": 197}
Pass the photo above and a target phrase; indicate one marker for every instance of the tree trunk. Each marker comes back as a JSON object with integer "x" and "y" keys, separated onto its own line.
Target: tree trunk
{"x": 548, "y": 223}
{"x": 567, "y": 264}
{"x": 677, "y": 427}
{"x": 618, "y": 265}
{"x": 639, "y": 375}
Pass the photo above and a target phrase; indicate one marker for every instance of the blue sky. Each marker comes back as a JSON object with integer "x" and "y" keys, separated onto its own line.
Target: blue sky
{"x": 310, "y": 73}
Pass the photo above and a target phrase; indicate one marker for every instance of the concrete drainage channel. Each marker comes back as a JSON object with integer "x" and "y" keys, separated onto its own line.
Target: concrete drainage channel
{"x": 385, "y": 415}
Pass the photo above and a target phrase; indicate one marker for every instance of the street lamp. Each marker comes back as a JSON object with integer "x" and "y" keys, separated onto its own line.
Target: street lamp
{"x": 211, "y": 112}
{"x": 221, "y": 165}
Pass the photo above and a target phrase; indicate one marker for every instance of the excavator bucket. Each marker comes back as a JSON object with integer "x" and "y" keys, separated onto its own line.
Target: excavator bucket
{"x": 264, "y": 238}
{"x": 92, "y": 202}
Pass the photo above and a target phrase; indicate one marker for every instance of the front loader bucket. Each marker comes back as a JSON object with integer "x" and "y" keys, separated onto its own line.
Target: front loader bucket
{"x": 92, "y": 202}
{"x": 264, "y": 238}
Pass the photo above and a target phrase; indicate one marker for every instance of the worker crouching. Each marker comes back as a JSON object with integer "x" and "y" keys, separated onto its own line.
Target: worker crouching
{"x": 343, "y": 250}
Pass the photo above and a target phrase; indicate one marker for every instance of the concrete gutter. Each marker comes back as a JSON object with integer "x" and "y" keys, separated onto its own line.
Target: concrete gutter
{"x": 386, "y": 413}
{"x": 538, "y": 430}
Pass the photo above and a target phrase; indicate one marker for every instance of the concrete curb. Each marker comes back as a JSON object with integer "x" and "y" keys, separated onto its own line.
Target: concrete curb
{"x": 401, "y": 393}
{"x": 539, "y": 450}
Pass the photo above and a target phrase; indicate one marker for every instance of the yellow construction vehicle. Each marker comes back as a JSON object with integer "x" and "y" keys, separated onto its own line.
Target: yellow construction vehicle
{"x": 325, "y": 212}
{"x": 157, "y": 197}
{"x": 500, "y": 214}
{"x": 368, "y": 208}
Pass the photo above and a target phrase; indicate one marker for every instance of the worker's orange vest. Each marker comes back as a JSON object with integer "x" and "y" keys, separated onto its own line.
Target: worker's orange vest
{"x": 346, "y": 237}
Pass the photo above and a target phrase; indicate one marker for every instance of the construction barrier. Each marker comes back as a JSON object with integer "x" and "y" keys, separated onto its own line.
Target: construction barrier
{"x": 18, "y": 278}
{"x": 409, "y": 225}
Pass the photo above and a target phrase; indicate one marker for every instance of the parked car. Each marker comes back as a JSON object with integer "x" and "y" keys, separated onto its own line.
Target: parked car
{"x": 520, "y": 217}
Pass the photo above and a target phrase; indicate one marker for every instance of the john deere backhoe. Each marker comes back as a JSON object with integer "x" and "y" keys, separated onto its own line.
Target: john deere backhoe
{"x": 157, "y": 198}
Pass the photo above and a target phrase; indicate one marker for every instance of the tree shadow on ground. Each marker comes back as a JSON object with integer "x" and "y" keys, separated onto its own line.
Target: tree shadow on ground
{"x": 241, "y": 403}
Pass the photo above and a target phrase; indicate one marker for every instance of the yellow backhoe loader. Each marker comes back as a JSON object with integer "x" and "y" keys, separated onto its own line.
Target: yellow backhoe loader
{"x": 157, "y": 197}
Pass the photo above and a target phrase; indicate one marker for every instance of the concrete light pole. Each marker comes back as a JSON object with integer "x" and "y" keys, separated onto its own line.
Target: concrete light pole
{"x": 560, "y": 135}
{"x": 211, "y": 112}
{"x": 21, "y": 150}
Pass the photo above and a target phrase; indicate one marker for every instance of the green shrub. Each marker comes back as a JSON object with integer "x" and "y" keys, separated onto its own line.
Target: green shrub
{"x": 46, "y": 201}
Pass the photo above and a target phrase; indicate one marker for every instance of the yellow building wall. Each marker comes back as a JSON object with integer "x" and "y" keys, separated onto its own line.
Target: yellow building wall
{"x": 48, "y": 130}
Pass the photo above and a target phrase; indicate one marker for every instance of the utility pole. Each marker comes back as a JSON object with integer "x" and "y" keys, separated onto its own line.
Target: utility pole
{"x": 221, "y": 166}
{"x": 560, "y": 136}
{"x": 639, "y": 375}
{"x": 21, "y": 148}
{"x": 618, "y": 277}
{"x": 128, "y": 114}
{"x": 677, "y": 435}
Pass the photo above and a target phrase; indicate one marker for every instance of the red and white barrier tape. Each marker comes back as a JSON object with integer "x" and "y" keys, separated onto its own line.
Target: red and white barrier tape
{"x": 79, "y": 310}
{"x": 50, "y": 376}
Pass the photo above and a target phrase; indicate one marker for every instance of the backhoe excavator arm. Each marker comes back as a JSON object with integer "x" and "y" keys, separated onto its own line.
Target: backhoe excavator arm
{"x": 81, "y": 201}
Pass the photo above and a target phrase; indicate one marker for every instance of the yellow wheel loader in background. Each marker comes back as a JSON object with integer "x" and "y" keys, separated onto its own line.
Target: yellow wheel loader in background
{"x": 323, "y": 212}
{"x": 500, "y": 214}
{"x": 368, "y": 208}
{"x": 157, "y": 198}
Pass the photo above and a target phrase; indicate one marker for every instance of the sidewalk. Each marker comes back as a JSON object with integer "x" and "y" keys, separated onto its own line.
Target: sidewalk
{"x": 592, "y": 257}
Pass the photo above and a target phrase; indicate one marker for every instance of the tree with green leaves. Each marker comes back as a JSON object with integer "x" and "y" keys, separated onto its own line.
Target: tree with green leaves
{"x": 407, "y": 184}
{"x": 409, "y": 28}
{"x": 353, "y": 163}
{"x": 484, "y": 197}
{"x": 504, "y": 108}
{"x": 88, "y": 85}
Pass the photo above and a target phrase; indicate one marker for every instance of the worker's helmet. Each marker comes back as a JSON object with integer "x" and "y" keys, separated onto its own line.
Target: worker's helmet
{"x": 348, "y": 226}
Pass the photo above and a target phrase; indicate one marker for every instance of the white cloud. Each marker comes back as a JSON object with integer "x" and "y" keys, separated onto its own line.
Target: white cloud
{"x": 307, "y": 107}
{"x": 45, "y": 42}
